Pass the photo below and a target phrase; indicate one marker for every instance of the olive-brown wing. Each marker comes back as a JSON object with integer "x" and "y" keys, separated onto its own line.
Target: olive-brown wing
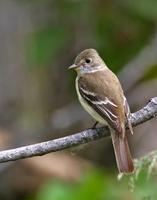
{"x": 107, "y": 109}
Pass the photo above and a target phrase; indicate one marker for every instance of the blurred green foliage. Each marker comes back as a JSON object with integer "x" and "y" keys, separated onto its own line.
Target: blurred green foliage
{"x": 150, "y": 74}
{"x": 114, "y": 29}
{"x": 99, "y": 186}
{"x": 120, "y": 35}
{"x": 44, "y": 45}
{"x": 144, "y": 8}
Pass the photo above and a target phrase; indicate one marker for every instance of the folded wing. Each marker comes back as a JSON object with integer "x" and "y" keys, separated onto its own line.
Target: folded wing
{"x": 106, "y": 108}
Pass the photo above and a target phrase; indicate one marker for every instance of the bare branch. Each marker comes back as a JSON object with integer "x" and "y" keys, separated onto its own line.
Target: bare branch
{"x": 141, "y": 116}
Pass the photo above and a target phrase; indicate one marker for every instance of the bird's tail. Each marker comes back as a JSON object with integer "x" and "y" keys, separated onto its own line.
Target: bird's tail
{"x": 122, "y": 153}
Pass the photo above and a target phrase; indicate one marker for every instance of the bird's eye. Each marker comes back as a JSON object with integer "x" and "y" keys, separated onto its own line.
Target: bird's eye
{"x": 88, "y": 60}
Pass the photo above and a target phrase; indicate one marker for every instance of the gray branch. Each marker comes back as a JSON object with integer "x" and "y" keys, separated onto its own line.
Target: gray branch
{"x": 141, "y": 116}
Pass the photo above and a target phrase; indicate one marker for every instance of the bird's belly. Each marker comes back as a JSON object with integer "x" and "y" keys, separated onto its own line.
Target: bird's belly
{"x": 89, "y": 109}
{"x": 92, "y": 112}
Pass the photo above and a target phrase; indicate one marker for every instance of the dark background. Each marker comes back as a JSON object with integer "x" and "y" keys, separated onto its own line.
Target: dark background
{"x": 39, "y": 39}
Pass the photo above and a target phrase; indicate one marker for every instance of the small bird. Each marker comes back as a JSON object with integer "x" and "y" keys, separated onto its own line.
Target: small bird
{"x": 100, "y": 93}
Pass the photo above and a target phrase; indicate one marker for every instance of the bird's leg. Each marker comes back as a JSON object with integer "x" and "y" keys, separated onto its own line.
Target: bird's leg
{"x": 95, "y": 124}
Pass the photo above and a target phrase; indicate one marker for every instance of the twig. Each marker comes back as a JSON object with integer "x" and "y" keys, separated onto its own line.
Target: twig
{"x": 141, "y": 116}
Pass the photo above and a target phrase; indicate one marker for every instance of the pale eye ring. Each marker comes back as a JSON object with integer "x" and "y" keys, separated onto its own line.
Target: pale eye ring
{"x": 88, "y": 60}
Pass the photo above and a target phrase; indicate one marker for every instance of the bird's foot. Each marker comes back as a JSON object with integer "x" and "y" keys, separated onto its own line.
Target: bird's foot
{"x": 95, "y": 124}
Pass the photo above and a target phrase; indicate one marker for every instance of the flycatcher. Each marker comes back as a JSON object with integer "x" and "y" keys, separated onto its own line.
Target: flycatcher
{"x": 100, "y": 93}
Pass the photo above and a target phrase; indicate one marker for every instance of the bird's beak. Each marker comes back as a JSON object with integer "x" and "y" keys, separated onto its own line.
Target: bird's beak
{"x": 73, "y": 66}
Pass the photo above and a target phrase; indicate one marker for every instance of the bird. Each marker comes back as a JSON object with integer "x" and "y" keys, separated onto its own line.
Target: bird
{"x": 101, "y": 95}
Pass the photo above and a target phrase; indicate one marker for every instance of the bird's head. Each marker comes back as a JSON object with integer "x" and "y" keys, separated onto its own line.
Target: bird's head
{"x": 88, "y": 60}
